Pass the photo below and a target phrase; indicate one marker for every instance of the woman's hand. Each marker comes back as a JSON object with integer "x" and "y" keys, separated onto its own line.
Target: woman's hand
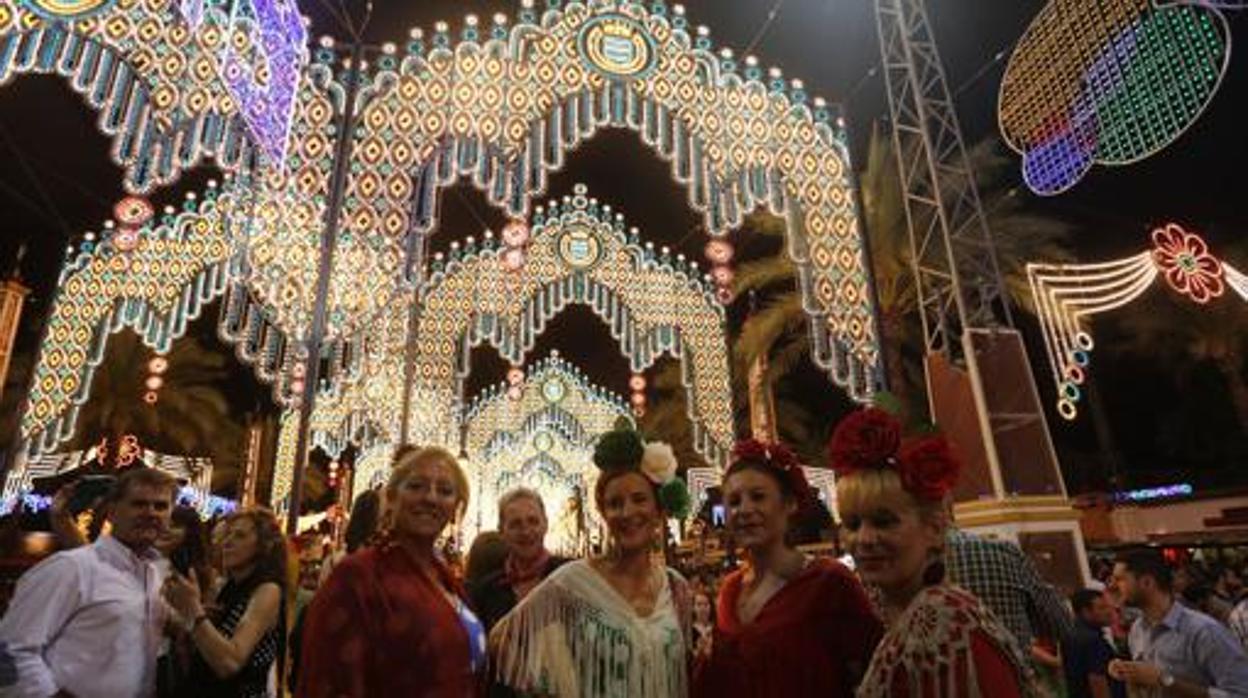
{"x": 184, "y": 594}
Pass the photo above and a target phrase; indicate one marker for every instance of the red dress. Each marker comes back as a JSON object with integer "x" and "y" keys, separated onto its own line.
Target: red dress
{"x": 814, "y": 637}
{"x": 947, "y": 644}
{"x": 380, "y": 627}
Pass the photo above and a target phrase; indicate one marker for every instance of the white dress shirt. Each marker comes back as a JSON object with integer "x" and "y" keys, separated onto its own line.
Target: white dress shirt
{"x": 87, "y": 621}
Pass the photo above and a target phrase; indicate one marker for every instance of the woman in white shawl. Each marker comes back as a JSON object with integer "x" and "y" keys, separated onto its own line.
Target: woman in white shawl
{"x": 617, "y": 625}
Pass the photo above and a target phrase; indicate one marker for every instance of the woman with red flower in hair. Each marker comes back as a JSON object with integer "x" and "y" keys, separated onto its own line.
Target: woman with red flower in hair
{"x": 892, "y": 496}
{"x": 787, "y": 624}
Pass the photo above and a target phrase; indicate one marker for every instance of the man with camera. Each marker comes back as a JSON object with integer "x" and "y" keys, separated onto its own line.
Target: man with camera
{"x": 86, "y": 622}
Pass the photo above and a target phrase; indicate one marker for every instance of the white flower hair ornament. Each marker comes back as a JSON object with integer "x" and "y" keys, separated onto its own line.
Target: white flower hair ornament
{"x": 623, "y": 448}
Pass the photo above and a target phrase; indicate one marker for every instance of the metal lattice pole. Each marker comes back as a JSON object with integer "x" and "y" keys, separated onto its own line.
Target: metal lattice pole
{"x": 962, "y": 297}
{"x": 954, "y": 262}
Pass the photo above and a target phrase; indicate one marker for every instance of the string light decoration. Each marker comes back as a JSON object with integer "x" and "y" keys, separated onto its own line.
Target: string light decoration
{"x": 156, "y": 82}
{"x": 500, "y": 106}
{"x": 1108, "y": 83}
{"x": 545, "y": 441}
{"x": 154, "y": 283}
{"x": 1067, "y": 294}
{"x": 155, "y": 380}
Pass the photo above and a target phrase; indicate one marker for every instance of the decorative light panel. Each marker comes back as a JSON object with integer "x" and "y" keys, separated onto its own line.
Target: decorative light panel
{"x": 153, "y": 279}
{"x": 261, "y": 71}
{"x": 579, "y": 253}
{"x": 1065, "y": 294}
{"x": 155, "y": 80}
{"x": 1109, "y": 82}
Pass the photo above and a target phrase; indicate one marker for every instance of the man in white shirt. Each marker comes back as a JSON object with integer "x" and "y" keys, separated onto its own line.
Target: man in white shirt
{"x": 86, "y": 622}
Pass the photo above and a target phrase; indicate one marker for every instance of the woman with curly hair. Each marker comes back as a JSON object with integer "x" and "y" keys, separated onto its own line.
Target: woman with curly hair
{"x": 941, "y": 642}
{"x": 236, "y": 645}
{"x": 788, "y": 624}
{"x": 615, "y": 625}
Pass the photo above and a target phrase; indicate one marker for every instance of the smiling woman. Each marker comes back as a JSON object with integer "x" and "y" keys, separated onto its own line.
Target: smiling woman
{"x": 392, "y": 619}
{"x": 551, "y": 644}
{"x": 787, "y": 624}
{"x": 892, "y": 495}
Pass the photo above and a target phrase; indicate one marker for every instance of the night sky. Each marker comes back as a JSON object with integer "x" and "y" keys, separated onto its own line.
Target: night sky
{"x": 57, "y": 182}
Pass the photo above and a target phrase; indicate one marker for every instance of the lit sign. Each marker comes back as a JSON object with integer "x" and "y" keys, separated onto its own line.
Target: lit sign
{"x": 1153, "y": 493}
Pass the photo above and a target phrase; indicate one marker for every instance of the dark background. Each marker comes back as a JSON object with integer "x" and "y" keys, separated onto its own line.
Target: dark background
{"x": 56, "y": 182}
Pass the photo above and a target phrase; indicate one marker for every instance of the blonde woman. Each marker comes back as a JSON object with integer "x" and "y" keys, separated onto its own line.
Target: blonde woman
{"x": 941, "y": 642}
{"x": 391, "y": 620}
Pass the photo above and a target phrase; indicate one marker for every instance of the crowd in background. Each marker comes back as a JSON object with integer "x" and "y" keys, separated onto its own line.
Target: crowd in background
{"x": 157, "y": 602}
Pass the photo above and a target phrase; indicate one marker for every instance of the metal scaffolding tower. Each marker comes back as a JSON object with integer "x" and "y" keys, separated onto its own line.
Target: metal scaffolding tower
{"x": 955, "y": 263}
{"x": 963, "y": 301}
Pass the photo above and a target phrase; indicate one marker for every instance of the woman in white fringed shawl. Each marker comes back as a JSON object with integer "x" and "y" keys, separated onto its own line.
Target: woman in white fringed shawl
{"x": 615, "y": 625}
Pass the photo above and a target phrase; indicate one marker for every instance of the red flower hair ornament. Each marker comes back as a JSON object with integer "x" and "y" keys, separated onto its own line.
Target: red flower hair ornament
{"x": 871, "y": 438}
{"x": 782, "y": 459}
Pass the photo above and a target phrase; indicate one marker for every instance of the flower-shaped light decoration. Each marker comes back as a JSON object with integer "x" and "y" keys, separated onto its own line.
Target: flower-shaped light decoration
{"x": 513, "y": 259}
{"x": 133, "y": 212}
{"x": 719, "y": 251}
{"x": 1184, "y": 260}
{"x": 516, "y": 233}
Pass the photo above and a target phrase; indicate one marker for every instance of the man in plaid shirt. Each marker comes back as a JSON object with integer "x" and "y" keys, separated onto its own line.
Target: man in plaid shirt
{"x": 1007, "y": 582}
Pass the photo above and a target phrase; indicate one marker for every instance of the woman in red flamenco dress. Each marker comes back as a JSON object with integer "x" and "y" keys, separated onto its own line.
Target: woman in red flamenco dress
{"x": 941, "y": 642}
{"x": 787, "y": 624}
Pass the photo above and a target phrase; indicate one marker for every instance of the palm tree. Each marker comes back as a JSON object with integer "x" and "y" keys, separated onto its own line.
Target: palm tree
{"x": 191, "y": 416}
{"x": 667, "y": 417}
{"x": 778, "y": 328}
{"x": 1184, "y": 335}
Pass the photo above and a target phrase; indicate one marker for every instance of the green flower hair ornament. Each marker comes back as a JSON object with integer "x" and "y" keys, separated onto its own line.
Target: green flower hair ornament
{"x": 624, "y": 449}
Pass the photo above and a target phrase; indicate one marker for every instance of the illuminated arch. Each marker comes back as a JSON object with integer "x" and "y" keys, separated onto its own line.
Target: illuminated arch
{"x": 653, "y": 305}
{"x": 504, "y": 111}
{"x": 155, "y": 78}
{"x": 502, "y": 106}
{"x": 539, "y": 433}
{"x": 154, "y": 280}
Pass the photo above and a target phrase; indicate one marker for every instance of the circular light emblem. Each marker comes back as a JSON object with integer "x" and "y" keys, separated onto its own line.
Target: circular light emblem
{"x": 543, "y": 441}
{"x": 554, "y": 390}
{"x": 133, "y": 212}
{"x": 66, "y": 9}
{"x": 579, "y": 248}
{"x": 617, "y": 46}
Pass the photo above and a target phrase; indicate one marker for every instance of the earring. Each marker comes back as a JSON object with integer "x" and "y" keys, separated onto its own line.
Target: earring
{"x": 934, "y": 573}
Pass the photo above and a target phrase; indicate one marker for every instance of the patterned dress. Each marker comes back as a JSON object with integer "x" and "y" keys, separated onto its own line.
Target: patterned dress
{"x": 383, "y": 627}
{"x": 252, "y": 681}
{"x": 575, "y": 636}
{"x": 946, "y": 644}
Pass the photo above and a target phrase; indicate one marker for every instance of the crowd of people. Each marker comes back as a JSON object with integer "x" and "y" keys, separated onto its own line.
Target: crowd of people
{"x": 157, "y": 605}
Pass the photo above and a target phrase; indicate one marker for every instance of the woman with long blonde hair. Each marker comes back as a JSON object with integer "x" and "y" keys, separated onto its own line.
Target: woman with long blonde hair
{"x": 392, "y": 620}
